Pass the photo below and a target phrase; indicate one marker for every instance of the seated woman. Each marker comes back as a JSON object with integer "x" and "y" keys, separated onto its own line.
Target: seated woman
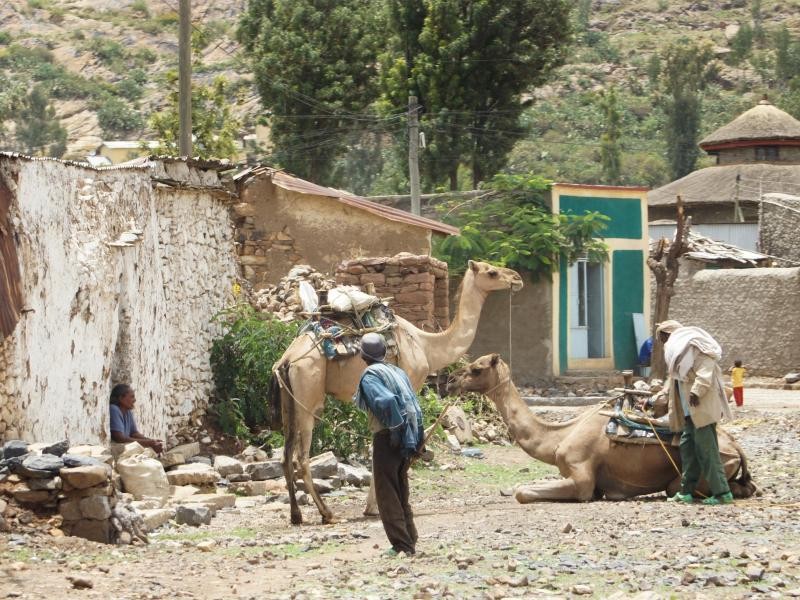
{"x": 123, "y": 425}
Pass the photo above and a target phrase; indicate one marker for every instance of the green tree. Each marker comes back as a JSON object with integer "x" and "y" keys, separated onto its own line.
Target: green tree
{"x": 473, "y": 61}
{"x": 582, "y": 14}
{"x": 38, "y": 131}
{"x": 513, "y": 226}
{"x": 758, "y": 22}
{"x": 315, "y": 69}
{"x": 117, "y": 116}
{"x": 610, "y": 151}
{"x": 787, "y": 56}
{"x": 741, "y": 44}
{"x": 214, "y": 128}
{"x": 686, "y": 70}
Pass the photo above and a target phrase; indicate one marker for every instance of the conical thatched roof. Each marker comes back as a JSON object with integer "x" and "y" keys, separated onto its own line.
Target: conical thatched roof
{"x": 762, "y": 122}
{"x": 719, "y": 184}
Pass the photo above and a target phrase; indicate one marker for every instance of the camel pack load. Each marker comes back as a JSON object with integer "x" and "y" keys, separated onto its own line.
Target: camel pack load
{"x": 346, "y": 314}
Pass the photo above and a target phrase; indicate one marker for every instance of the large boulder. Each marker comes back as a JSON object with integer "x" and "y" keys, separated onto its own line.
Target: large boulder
{"x": 352, "y": 475}
{"x": 186, "y": 450}
{"x": 324, "y": 465}
{"x": 226, "y": 465}
{"x": 195, "y": 474}
{"x": 261, "y": 471}
{"x": 85, "y": 477}
{"x": 44, "y": 466}
{"x": 192, "y": 514}
{"x": 14, "y": 448}
{"x": 456, "y": 422}
{"x": 56, "y": 449}
{"x": 77, "y": 460}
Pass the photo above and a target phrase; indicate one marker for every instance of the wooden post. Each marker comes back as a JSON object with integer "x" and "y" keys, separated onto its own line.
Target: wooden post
{"x": 663, "y": 262}
{"x": 185, "y": 79}
{"x": 413, "y": 153}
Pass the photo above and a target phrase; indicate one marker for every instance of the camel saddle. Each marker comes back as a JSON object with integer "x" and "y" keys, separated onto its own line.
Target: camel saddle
{"x": 339, "y": 333}
{"x": 628, "y": 427}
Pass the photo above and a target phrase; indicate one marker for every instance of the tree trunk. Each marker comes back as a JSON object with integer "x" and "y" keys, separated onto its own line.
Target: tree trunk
{"x": 454, "y": 178}
{"x": 663, "y": 262}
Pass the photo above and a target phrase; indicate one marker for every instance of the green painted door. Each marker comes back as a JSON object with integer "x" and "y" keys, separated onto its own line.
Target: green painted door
{"x": 627, "y": 298}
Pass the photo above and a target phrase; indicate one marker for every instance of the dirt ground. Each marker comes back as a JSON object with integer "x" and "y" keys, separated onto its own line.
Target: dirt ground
{"x": 474, "y": 541}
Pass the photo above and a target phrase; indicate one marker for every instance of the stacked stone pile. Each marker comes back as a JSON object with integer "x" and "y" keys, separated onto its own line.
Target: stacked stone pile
{"x": 75, "y": 491}
{"x": 417, "y": 284}
{"x": 54, "y": 478}
{"x": 283, "y": 300}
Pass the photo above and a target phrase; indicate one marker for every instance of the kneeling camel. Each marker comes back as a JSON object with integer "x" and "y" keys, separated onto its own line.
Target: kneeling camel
{"x": 593, "y": 466}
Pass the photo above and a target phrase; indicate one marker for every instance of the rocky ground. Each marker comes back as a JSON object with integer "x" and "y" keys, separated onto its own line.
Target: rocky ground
{"x": 475, "y": 542}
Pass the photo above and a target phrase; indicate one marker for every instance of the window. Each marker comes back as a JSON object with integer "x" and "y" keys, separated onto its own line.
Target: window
{"x": 767, "y": 153}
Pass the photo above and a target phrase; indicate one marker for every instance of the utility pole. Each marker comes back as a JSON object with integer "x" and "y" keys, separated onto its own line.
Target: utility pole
{"x": 185, "y": 79}
{"x": 413, "y": 153}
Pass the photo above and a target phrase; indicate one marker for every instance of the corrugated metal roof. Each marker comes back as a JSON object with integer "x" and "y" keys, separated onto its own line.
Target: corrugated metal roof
{"x": 295, "y": 184}
{"x": 10, "y": 279}
{"x": 137, "y": 163}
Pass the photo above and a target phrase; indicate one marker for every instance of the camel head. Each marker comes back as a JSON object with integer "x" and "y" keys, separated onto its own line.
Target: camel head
{"x": 489, "y": 278}
{"x": 482, "y": 375}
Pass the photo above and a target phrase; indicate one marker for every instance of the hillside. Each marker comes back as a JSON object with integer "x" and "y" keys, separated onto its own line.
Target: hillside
{"x": 104, "y": 63}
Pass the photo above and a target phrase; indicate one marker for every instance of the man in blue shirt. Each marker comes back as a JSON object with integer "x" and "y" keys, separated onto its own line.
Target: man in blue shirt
{"x": 123, "y": 425}
{"x": 395, "y": 419}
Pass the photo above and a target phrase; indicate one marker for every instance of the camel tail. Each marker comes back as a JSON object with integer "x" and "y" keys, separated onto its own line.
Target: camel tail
{"x": 274, "y": 398}
{"x": 742, "y": 486}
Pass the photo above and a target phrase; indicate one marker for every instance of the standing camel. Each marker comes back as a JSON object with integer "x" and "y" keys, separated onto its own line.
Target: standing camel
{"x": 592, "y": 465}
{"x": 305, "y": 375}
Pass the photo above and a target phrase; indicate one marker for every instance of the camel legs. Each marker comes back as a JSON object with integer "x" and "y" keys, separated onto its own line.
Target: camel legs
{"x": 577, "y": 488}
{"x": 304, "y": 464}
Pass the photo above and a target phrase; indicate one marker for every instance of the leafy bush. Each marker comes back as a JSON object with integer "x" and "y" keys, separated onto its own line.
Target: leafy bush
{"x": 140, "y": 6}
{"x": 5, "y": 38}
{"x": 343, "y": 429}
{"x": 107, "y": 50}
{"x": 242, "y": 360}
{"x": 117, "y": 116}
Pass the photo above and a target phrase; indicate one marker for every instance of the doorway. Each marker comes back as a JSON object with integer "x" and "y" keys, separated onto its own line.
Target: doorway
{"x": 586, "y": 310}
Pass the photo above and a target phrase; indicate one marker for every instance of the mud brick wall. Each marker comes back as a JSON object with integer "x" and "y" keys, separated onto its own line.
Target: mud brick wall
{"x": 752, "y": 313}
{"x": 779, "y": 224}
{"x": 417, "y": 283}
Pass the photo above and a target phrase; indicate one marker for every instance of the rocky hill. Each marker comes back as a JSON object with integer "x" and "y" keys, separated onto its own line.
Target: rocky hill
{"x": 105, "y": 61}
{"x": 94, "y": 52}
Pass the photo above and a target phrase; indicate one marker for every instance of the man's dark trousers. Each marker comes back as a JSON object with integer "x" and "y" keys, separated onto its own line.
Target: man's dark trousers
{"x": 700, "y": 456}
{"x": 390, "y": 477}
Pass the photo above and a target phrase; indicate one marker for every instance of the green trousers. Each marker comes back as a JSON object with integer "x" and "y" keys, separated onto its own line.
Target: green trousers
{"x": 700, "y": 457}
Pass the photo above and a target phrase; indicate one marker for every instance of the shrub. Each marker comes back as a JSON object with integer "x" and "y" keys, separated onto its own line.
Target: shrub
{"x": 5, "y": 38}
{"x": 140, "y": 6}
{"x": 108, "y": 51}
{"x": 342, "y": 429}
{"x": 241, "y": 360}
{"x": 118, "y": 116}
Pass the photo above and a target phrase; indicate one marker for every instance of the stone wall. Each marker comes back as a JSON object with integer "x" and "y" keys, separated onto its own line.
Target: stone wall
{"x": 418, "y": 285}
{"x": 747, "y": 155}
{"x": 779, "y": 226}
{"x": 120, "y": 280}
{"x": 716, "y": 212}
{"x": 752, "y": 313}
{"x": 520, "y": 330}
{"x": 277, "y": 229}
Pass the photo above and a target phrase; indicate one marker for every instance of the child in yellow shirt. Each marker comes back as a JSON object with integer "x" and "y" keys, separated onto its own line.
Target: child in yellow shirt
{"x": 737, "y": 372}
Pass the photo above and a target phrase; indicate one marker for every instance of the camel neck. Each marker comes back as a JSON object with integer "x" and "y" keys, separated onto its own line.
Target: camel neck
{"x": 442, "y": 349}
{"x": 537, "y": 437}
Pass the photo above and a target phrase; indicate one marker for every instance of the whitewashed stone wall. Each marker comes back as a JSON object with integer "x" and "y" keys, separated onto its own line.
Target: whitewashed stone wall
{"x": 752, "y": 313}
{"x": 96, "y": 314}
